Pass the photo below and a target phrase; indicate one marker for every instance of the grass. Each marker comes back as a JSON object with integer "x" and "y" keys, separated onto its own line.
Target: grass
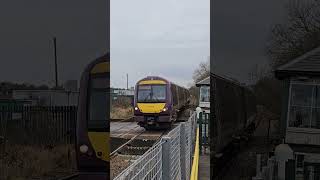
{"x": 121, "y": 108}
{"x": 27, "y": 162}
{"x": 121, "y": 112}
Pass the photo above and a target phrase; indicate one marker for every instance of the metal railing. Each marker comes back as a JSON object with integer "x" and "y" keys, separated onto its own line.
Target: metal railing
{"x": 203, "y": 123}
{"x": 169, "y": 159}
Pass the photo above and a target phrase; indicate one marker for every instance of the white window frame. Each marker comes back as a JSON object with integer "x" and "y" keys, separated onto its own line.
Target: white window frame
{"x": 208, "y": 87}
{"x": 311, "y": 82}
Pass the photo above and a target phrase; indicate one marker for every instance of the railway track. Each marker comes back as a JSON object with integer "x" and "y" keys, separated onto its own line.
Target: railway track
{"x": 128, "y": 146}
{"x": 129, "y": 141}
{"x": 122, "y": 120}
{"x": 131, "y": 150}
{"x": 140, "y": 142}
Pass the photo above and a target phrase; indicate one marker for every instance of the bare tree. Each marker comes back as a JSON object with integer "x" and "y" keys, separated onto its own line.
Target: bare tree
{"x": 202, "y": 71}
{"x": 299, "y": 35}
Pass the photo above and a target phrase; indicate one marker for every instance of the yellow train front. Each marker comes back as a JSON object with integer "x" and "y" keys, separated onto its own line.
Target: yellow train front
{"x": 157, "y": 102}
{"x": 92, "y": 142}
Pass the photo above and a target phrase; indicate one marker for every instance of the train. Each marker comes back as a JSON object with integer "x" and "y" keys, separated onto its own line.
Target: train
{"x": 92, "y": 129}
{"x": 157, "y": 102}
{"x": 233, "y": 110}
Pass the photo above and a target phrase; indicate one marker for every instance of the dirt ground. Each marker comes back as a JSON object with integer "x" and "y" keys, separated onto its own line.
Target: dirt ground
{"x": 243, "y": 165}
{"x": 119, "y": 163}
{"x": 30, "y": 162}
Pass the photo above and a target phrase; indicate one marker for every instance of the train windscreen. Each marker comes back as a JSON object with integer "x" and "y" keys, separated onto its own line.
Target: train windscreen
{"x": 152, "y": 93}
{"x": 98, "y": 103}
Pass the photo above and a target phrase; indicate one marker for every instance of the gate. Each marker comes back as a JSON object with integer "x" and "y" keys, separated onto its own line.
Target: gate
{"x": 203, "y": 124}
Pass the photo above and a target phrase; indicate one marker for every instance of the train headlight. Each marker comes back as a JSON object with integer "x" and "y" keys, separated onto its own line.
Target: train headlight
{"x": 136, "y": 108}
{"x": 84, "y": 148}
{"x": 164, "y": 109}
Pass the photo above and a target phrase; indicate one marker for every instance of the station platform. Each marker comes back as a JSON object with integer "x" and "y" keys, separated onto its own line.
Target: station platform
{"x": 204, "y": 167}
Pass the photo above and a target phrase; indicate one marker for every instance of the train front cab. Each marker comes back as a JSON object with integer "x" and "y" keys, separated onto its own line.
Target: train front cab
{"x": 152, "y": 103}
{"x": 93, "y": 121}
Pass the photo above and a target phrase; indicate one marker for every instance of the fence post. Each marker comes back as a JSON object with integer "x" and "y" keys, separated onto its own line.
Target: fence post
{"x": 207, "y": 130}
{"x": 200, "y": 130}
{"x": 183, "y": 147}
{"x": 166, "y": 158}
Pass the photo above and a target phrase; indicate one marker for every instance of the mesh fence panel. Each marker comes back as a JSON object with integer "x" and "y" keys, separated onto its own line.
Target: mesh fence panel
{"x": 188, "y": 145}
{"x": 150, "y": 166}
{"x": 147, "y": 167}
{"x": 175, "y": 169}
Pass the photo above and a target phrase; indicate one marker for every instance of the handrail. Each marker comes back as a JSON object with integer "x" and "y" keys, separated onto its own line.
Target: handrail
{"x": 195, "y": 163}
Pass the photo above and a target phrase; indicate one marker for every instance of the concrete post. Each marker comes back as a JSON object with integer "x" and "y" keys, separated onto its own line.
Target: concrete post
{"x": 166, "y": 175}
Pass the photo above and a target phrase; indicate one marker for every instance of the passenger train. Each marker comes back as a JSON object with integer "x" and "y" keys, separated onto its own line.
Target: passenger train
{"x": 233, "y": 111}
{"x": 92, "y": 130}
{"x": 157, "y": 102}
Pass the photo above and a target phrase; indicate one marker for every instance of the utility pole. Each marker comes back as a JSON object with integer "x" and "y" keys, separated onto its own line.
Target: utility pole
{"x": 55, "y": 60}
{"x": 127, "y": 81}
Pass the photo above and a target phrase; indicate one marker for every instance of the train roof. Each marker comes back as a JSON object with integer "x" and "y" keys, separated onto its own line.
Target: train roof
{"x": 103, "y": 58}
{"x": 159, "y": 78}
{"x": 153, "y": 78}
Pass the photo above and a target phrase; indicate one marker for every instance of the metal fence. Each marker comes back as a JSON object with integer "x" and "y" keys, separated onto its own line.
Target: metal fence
{"x": 267, "y": 168}
{"x": 37, "y": 133}
{"x": 203, "y": 122}
{"x": 37, "y": 125}
{"x": 168, "y": 159}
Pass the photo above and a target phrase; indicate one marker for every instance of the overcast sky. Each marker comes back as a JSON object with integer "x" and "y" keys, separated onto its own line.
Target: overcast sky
{"x": 148, "y": 37}
{"x": 240, "y": 31}
{"x": 167, "y": 38}
{"x": 27, "y": 28}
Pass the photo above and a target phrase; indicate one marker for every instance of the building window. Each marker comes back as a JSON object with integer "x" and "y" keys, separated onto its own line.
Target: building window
{"x": 304, "y": 108}
{"x": 205, "y": 94}
{"x": 312, "y": 171}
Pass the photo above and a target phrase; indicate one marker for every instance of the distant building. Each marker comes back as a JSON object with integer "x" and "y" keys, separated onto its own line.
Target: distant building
{"x": 122, "y": 92}
{"x": 117, "y": 93}
{"x": 47, "y": 97}
{"x": 11, "y": 103}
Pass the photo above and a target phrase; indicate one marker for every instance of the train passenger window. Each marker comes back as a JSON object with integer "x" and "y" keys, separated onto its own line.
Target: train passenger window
{"x": 98, "y": 103}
